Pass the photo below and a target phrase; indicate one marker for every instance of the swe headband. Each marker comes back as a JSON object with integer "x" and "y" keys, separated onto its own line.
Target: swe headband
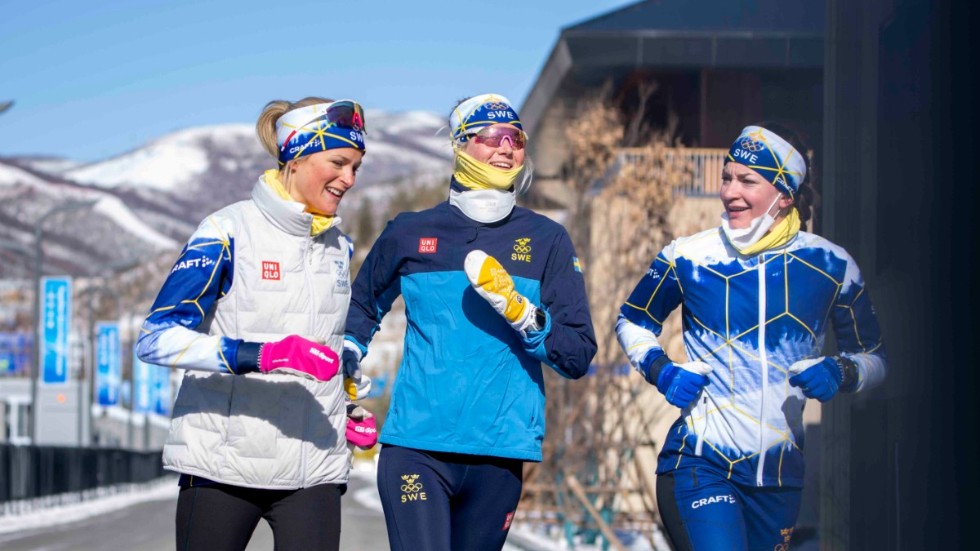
{"x": 320, "y": 127}
{"x": 481, "y": 111}
{"x": 771, "y": 156}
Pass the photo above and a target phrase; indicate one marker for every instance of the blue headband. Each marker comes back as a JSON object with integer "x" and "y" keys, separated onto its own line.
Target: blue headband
{"x": 320, "y": 127}
{"x": 481, "y": 111}
{"x": 771, "y": 156}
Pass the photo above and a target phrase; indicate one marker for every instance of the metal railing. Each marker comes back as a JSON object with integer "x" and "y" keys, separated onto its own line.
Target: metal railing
{"x": 705, "y": 164}
{"x": 28, "y": 472}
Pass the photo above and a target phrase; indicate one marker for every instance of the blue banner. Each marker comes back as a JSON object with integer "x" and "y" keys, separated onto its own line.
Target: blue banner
{"x": 108, "y": 368}
{"x": 144, "y": 385}
{"x": 56, "y": 325}
{"x": 161, "y": 393}
{"x": 15, "y": 352}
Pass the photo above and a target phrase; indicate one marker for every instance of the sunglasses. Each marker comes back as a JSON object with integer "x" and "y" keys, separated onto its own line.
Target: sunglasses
{"x": 346, "y": 113}
{"x": 493, "y": 136}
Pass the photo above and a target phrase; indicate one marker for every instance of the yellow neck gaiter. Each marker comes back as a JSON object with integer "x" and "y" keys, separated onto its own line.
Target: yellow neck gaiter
{"x": 476, "y": 175}
{"x": 320, "y": 223}
{"x": 778, "y": 235}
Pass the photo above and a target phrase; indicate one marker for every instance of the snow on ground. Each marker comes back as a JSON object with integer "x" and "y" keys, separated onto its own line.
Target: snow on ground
{"x": 103, "y": 500}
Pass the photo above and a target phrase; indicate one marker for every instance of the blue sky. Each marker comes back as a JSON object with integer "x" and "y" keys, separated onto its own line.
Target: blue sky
{"x": 95, "y": 79}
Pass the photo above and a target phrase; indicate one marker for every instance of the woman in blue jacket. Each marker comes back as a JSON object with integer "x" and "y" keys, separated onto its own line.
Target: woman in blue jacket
{"x": 491, "y": 291}
{"x": 759, "y": 296}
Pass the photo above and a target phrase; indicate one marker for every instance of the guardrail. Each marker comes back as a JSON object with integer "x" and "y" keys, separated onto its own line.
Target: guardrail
{"x": 29, "y": 472}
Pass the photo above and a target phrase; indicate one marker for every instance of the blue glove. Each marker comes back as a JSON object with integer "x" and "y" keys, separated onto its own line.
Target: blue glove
{"x": 679, "y": 383}
{"x": 818, "y": 378}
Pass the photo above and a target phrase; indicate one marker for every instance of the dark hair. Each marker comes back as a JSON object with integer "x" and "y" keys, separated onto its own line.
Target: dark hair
{"x": 806, "y": 198}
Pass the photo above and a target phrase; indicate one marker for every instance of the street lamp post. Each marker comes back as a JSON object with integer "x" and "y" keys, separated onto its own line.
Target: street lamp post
{"x": 38, "y": 252}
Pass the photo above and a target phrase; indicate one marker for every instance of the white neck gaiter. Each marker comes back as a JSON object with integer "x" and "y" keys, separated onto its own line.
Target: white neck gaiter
{"x": 743, "y": 238}
{"x": 483, "y": 205}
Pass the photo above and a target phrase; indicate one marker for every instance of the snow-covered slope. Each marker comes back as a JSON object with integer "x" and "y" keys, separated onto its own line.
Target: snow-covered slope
{"x": 151, "y": 198}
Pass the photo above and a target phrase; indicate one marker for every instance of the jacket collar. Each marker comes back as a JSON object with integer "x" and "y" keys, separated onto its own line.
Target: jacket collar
{"x": 288, "y": 216}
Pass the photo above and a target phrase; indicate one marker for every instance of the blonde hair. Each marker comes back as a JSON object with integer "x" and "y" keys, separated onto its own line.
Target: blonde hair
{"x": 265, "y": 127}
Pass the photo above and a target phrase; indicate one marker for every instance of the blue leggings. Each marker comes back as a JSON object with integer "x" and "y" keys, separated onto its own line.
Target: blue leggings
{"x": 445, "y": 501}
{"x": 704, "y": 511}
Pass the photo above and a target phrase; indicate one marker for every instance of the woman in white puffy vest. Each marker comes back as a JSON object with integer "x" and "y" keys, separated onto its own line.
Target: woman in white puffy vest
{"x": 759, "y": 296}
{"x": 254, "y": 309}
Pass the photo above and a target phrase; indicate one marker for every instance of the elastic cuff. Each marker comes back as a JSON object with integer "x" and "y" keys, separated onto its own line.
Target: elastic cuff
{"x": 656, "y": 367}
{"x": 247, "y": 360}
{"x": 651, "y": 368}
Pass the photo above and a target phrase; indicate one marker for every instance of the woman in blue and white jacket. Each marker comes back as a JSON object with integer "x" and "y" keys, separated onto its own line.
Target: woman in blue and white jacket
{"x": 758, "y": 297}
{"x": 254, "y": 310}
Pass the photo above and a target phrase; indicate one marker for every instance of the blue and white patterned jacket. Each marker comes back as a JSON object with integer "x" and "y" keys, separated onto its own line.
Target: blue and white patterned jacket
{"x": 751, "y": 318}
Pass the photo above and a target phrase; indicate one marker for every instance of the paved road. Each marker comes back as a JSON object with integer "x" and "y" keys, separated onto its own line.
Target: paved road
{"x": 149, "y": 526}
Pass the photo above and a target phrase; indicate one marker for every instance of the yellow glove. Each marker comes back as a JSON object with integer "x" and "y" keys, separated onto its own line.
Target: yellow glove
{"x": 492, "y": 282}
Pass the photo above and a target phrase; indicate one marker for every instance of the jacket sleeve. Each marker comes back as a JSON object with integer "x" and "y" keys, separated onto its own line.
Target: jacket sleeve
{"x": 857, "y": 332}
{"x": 642, "y": 316}
{"x": 201, "y": 275}
{"x": 567, "y": 341}
{"x": 375, "y": 289}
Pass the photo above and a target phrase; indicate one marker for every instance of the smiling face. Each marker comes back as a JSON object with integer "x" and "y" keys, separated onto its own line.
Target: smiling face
{"x": 320, "y": 180}
{"x": 504, "y": 156}
{"x": 746, "y": 195}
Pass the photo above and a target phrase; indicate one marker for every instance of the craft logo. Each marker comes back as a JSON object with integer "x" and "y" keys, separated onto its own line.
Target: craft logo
{"x": 428, "y": 245}
{"x": 270, "y": 270}
{"x": 522, "y": 250}
{"x": 412, "y": 490}
{"x": 712, "y": 500}
{"x": 200, "y": 262}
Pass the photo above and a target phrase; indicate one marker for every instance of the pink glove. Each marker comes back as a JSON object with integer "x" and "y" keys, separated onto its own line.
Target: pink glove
{"x": 299, "y": 356}
{"x": 362, "y": 428}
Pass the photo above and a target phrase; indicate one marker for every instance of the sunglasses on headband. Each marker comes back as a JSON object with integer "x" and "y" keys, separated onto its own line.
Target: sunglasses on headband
{"x": 494, "y": 135}
{"x": 346, "y": 113}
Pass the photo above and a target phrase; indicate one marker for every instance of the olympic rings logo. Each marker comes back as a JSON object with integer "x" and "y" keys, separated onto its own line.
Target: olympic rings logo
{"x": 749, "y": 144}
{"x": 411, "y": 487}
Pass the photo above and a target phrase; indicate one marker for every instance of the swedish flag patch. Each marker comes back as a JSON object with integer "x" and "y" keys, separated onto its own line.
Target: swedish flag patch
{"x": 576, "y": 264}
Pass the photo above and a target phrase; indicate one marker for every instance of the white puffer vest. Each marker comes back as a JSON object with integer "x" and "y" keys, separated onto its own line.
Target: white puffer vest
{"x": 258, "y": 430}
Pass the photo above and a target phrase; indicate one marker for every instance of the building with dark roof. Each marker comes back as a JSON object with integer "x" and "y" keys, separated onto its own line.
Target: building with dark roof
{"x": 718, "y": 65}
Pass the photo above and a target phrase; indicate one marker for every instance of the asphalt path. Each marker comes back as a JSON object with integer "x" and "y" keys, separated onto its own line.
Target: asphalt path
{"x": 149, "y": 526}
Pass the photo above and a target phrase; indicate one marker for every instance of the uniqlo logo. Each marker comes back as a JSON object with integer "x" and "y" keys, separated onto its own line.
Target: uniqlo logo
{"x": 507, "y": 520}
{"x": 427, "y": 245}
{"x": 270, "y": 270}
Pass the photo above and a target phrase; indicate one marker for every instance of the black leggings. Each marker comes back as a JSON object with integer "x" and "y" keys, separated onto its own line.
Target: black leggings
{"x": 219, "y": 517}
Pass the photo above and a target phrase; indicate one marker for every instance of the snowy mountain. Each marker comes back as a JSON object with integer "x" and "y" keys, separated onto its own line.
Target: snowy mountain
{"x": 104, "y": 232}
{"x": 149, "y": 200}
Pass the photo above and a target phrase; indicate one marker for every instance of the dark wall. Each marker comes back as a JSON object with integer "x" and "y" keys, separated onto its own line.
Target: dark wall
{"x": 900, "y": 196}
{"x": 733, "y": 98}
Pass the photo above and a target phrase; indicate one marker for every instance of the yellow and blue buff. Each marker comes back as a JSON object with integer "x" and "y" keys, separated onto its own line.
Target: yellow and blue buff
{"x": 469, "y": 117}
{"x": 319, "y": 127}
{"x": 771, "y": 156}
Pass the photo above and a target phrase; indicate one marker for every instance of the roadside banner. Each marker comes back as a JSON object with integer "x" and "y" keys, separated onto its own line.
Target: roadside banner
{"x": 55, "y": 328}
{"x": 108, "y": 372}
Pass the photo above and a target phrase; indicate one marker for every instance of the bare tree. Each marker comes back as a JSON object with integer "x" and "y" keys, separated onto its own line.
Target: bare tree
{"x": 598, "y": 455}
